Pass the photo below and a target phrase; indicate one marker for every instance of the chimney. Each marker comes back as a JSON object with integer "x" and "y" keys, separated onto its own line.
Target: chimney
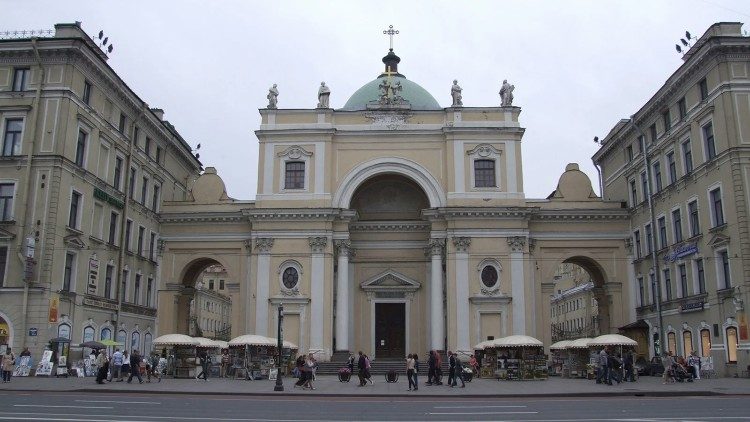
{"x": 158, "y": 113}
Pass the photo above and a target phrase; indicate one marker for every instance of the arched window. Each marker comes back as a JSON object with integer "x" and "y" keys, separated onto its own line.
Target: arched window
{"x": 88, "y": 334}
{"x": 732, "y": 344}
{"x": 672, "y": 343}
{"x": 63, "y": 330}
{"x": 122, "y": 338}
{"x": 687, "y": 342}
{"x": 135, "y": 340}
{"x": 705, "y": 342}
{"x": 146, "y": 344}
{"x": 106, "y": 334}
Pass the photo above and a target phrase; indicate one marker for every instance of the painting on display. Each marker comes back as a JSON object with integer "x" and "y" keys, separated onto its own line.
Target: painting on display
{"x": 23, "y": 369}
{"x": 45, "y": 364}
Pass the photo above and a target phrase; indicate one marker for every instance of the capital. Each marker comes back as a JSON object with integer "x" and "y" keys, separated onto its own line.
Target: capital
{"x": 318, "y": 243}
{"x": 343, "y": 247}
{"x": 435, "y": 247}
{"x": 462, "y": 243}
{"x": 516, "y": 243}
{"x": 264, "y": 244}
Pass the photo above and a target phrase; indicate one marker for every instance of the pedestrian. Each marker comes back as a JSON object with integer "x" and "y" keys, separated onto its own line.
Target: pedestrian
{"x": 25, "y": 352}
{"x": 694, "y": 361}
{"x": 309, "y": 368}
{"x": 410, "y": 370}
{"x": 614, "y": 365}
{"x": 627, "y": 364}
{"x": 8, "y": 360}
{"x": 602, "y": 375}
{"x": 153, "y": 364}
{"x": 416, "y": 371}
{"x": 438, "y": 369}
{"x": 350, "y": 363}
{"x": 431, "y": 368}
{"x": 668, "y": 363}
{"x": 362, "y": 369}
{"x": 125, "y": 370}
{"x": 299, "y": 366}
{"x": 451, "y": 369}
{"x": 458, "y": 371}
{"x": 224, "y": 363}
{"x": 102, "y": 364}
{"x": 205, "y": 361}
{"x": 135, "y": 367}
{"x": 368, "y": 365}
{"x": 474, "y": 365}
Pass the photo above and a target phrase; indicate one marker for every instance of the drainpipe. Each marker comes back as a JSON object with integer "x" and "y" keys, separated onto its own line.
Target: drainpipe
{"x": 599, "y": 172}
{"x": 654, "y": 258}
{"x": 27, "y": 190}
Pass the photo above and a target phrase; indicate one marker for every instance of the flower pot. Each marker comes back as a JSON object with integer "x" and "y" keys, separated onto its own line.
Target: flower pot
{"x": 345, "y": 376}
{"x": 391, "y": 376}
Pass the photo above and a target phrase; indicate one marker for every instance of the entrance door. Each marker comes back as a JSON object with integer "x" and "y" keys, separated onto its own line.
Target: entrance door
{"x": 390, "y": 330}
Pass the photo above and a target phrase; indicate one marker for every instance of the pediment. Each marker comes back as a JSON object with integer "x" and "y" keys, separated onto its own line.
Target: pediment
{"x": 6, "y": 235}
{"x": 74, "y": 241}
{"x": 391, "y": 280}
{"x": 717, "y": 240}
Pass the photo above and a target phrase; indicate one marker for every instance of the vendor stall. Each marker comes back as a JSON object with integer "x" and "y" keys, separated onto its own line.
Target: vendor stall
{"x": 181, "y": 352}
{"x": 520, "y": 357}
{"x": 252, "y": 356}
{"x": 579, "y": 359}
{"x": 615, "y": 344}
{"x": 288, "y": 355}
{"x": 559, "y": 357}
{"x": 213, "y": 350}
{"x": 487, "y": 358}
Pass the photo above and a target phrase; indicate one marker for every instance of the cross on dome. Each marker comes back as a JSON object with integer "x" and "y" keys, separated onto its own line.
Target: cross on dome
{"x": 391, "y": 32}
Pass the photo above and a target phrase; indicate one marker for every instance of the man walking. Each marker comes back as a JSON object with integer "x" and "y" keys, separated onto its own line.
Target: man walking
{"x": 135, "y": 367}
{"x": 602, "y": 373}
{"x": 451, "y": 369}
{"x": 102, "y": 364}
{"x": 117, "y": 360}
{"x": 362, "y": 369}
{"x": 205, "y": 361}
{"x": 458, "y": 371}
{"x": 431, "y": 368}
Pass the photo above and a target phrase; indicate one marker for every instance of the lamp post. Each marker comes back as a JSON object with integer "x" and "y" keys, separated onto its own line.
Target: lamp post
{"x": 279, "y": 344}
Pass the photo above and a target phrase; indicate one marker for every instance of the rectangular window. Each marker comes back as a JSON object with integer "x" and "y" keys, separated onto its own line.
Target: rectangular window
{"x": 7, "y": 191}
{"x": 700, "y": 272}
{"x": 703, "y": 88}
{"x": 155, "y": 198}
{"x": 121, "y": 124}
{"x": 705, "y": 343}
{"x": 682, "y": 107}
{"x": 668, "y": 283}
{"x": 657, "y": 176}
{"x": 103, "y": 166}
{"x": 128, "y": 230}
{"x": 124, "y": 285}
{"x": 144, "y": 190}
{"x": 633, "y": 194}
{"x": 672, "y": 167}
{"x": 644, "y": 185}
{"x": 131, "y": 188}
{"x": 221, "y": 284}
{"x": 149, "y": 291}
{"x": 87, "y": 92}
{"x": 108, "y": 281}
{"x": 21, "y": 78}
{"x": 81, "y": 147}
{"x": 641, "y": 140}
{"x": 141, "y": 235}
{"x": 137, "y": 289}
{"x": 294, "y": 175}
{"x": 12, "y": 137}
{"x": 716, "y": 208}
{"x": 732, "y": 345}
{"x": 97, "y": 224}
{"x": 117, "y": 180}
{"x": 662, "y": 225}
{"x": 75, "y": 204}
{"x": 649, "y": 239}
{"x": 654, "y": 286}
{"x": 113, "y": 228}
{"x": 708, "y": 138}
{"x": 136, "y": 134}
{"x": 629, "y": 153}
{"x": 695, "y": 226}
{"x": 677, "y": 225}
{"x": 687, "y": 155}
{"x": 484, "y": 173}
{"x": 652, "y": 132}
{"x": 151, "y": 246}
{"x": 147, "y": 147}
{"x": 667, "y": 120}
{"x": 70, "y": 259}
{"x": 210, "y": 284}
{"x": 637, "y": 236}
{"x": 683, "y": 280}
{"x": 725, "y": 275}
{"x": 158, "y": 155}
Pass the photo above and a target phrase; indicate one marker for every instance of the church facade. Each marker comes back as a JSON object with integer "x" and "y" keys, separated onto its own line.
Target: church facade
{"x": 392, "y": 226}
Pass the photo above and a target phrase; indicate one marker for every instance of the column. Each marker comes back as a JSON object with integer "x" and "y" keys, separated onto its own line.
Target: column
{"x": 437, "y": 317}
{"x": 317, "y": 293}
{"x": 633, "y": 283}
{"x": 462, "y": 292}
{"x": 343, "y": 248}
{"x": 518, "y": 284}
{"x": 263, "y": 247}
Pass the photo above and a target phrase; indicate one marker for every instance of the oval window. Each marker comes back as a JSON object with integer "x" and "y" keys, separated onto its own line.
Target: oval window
{"x": 290, "y": 278}
{"x": 489, "y": 276}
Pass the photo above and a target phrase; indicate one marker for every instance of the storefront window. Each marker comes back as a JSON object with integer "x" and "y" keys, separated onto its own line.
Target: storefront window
{"x": 88, "y": 334}
{"x": 672, "y": 343}
{"x": 687, "y": 341}
{"x": 122, "y": 337}
{"x": 135, "y": 341}
{"x": 705, "y": 343}
{"x": 732, "y": 344}
{"x": 106, "y": 334}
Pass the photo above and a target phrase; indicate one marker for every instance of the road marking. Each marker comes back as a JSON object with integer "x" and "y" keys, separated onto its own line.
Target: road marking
{"x": 470, "y": 407}
{"x": 61, "y": 406}
{"x": 117, "y": 401}
{"x": 481, "y": 413}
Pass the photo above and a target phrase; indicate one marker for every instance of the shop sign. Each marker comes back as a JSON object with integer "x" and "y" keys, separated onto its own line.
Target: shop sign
{"x": 681, "y": 252}
{"x": 54, "y": 305}
{"x": 99, "y": 303}
{"x": 104, "y": 196}
{"x": 33, "y": 332}
{"x": 93, "y": 274}
{"x": 692, "y": 306}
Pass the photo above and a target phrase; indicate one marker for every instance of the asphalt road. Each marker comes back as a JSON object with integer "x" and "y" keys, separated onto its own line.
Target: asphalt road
{"x": 127, "y": 407}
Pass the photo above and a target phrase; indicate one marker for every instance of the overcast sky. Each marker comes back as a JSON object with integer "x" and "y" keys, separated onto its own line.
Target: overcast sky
{"x": 578, "y": 66}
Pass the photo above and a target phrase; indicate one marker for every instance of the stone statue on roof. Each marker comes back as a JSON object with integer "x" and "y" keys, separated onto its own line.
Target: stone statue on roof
{"x": 456, "y": 94}
{"x": 273, "y": 97}
{"x": 506, "y": 94}
{"x": 324, "y": 93}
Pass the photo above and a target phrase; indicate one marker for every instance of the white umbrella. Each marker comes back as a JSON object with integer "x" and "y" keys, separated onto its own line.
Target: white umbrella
{"x": 287, "y": 344}
{"x": 206, "y": 343}
{"x": 484, "y": 345}
{"x": 222, "y": 344}
{"x": 560, "y": 345}
{"x": 517, "y": 341}
{"x": 613, "y": 340}
{"x": 175, "y": 340}
{"x": 251, "y": 340}
{"x": 581, "y": 343}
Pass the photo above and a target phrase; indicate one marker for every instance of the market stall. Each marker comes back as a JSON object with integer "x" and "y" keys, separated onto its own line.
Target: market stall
{"x": 486, "y": 357}
{"x": 213, "y": 350}
{"x": 288, "y": 355}
{"x": 520, "y": 357}
{"x": 615, "y": 344}
{"x": 181, "y": 352}
{"x": 579, "y": 359}
{"x": 559, "y": 357}
{"x": 252, "y": 356}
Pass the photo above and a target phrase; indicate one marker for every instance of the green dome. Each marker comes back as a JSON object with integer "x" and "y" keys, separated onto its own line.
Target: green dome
{"x": 417, "y": 96}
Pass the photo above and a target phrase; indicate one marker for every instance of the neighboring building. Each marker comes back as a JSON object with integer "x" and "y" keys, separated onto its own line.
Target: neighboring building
{"x": 696, "y": 132}
{"x": 85, "y": 167}
{"x": 574, "y": 309}
{"x": 211, "y": 310}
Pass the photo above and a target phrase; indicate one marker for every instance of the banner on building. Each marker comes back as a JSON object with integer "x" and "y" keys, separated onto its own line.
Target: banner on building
{"x": 743, "y": 327}
{"x": 54, "y": 306}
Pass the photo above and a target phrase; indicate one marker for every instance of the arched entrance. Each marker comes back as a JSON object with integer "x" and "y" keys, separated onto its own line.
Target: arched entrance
{"x": 579, "y": 307}
{"x": 6, "y": 331}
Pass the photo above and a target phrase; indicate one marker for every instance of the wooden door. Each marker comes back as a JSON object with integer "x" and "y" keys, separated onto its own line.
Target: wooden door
{"x": 390, "y": 330}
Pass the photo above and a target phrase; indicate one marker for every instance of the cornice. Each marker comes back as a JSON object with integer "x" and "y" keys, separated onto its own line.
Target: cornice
{"x": 581, "y": 215}
{"x": 294, "y": 214}
{"x": 202, "y": 217}
{"x": 400, "y": 226}
{"x": 494, "y": 212}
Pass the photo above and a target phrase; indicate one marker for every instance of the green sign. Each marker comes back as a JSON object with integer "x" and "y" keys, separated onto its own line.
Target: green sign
{"x": 111, "y": 200}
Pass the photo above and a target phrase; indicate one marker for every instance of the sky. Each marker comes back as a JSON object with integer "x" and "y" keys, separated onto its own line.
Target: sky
{"x": 578, "y": 66}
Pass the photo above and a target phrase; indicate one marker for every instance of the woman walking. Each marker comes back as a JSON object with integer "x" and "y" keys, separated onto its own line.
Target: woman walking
{"x": 410, "y": 371}
{"x": 416, "y": 371}
{"x": 309, "y": 367}
{"x": 9, "y": 360}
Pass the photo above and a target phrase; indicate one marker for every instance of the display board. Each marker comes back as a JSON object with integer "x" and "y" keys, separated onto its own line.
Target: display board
{"x": 45, "y": 364}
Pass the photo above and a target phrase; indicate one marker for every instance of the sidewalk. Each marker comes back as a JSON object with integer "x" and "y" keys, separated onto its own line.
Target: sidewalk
{"x": 330, "y": 386}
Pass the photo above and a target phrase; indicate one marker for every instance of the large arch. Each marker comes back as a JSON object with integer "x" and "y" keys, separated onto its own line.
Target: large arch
{"x": 394, "y": 165}
{"x": 9, "y": 324}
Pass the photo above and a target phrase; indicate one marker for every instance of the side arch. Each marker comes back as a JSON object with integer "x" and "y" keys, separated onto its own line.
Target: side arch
{"x": 393, "y": 165}
{"x": 11, "y": 331}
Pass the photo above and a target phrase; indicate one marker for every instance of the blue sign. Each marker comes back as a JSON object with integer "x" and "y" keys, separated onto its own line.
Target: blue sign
{"x": 33, "y": 332}
{"x": 681, "y": 252}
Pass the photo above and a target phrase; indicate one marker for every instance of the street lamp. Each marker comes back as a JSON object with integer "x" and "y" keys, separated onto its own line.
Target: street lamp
{"x": 279, "y": 343}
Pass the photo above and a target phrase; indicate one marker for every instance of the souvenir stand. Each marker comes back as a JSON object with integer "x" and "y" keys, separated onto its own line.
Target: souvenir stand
{"x": 578, "y": 359}
{"x": 615, "y": 342}
{"x": 181, "y": 352}
{"x": 559, "y": 357}
{"x": 252, "y": 356}
{"x": 288, "y": 355}
{"x": 213, "y": 349}
{"x": 486, "y": 357}
{"x": 520, "y": 357}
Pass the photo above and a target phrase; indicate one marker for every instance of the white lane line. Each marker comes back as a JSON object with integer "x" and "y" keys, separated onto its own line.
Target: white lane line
{"x": 61, "y": 406}
{"x": 480, "y": 413}
{"x": 118, "y": 401}
{"x": 471, "y": 407}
